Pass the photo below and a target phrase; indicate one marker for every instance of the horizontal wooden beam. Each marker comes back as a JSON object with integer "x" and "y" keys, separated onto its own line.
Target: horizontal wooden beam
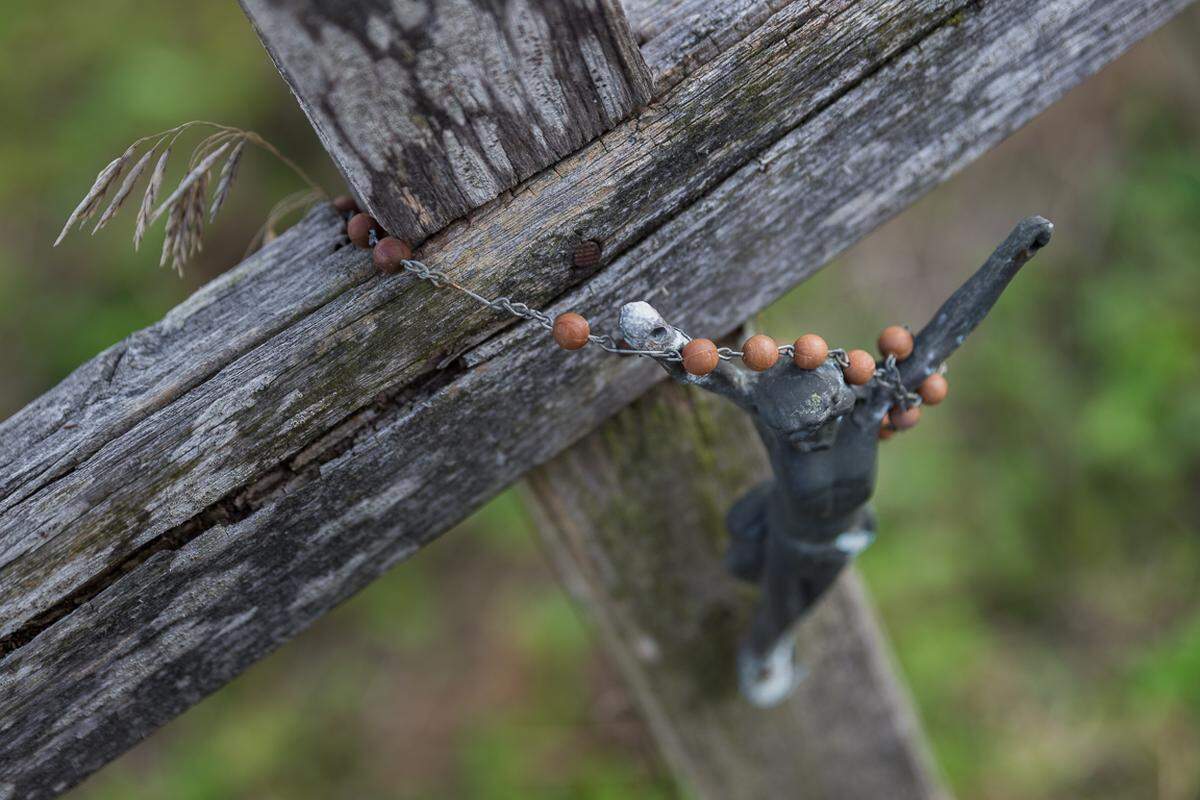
{"x": 679, "y": 36}
{"x": 71, "y": 511}
{"x": 204, "y": 490}
{"x": 431, "y": 111}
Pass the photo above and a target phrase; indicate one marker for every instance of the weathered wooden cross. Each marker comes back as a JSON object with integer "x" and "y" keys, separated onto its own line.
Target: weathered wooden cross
{"x": 203, "y": 490}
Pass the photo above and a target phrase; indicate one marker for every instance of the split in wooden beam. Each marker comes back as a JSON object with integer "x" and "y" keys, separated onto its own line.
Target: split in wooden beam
{"x": 203, "y": 490}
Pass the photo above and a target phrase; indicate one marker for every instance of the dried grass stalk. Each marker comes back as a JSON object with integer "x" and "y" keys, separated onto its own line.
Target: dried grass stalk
{"x": 147, "y": 206}
{"x": 185, "y": 207}
{"x": 193, "y": 216}
{"x": 170, "y": 248}
{"x": 228, "y": 176}
{"x": 91, "y": 200}
{"x": 126, "y": 187}
{"x": 189, "y": 180}
{"x": 289, "y": 204}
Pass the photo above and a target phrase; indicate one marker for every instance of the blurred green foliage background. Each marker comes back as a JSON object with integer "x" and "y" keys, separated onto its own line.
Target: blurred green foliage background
{"x": 1039, "y": 567}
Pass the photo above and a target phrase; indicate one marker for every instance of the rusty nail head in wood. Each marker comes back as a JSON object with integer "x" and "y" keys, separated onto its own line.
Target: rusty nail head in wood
{"x": 587, "y": 254}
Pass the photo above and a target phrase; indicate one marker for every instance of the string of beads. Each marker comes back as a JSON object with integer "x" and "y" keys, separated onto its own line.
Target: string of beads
{"x": 699, "y": 357}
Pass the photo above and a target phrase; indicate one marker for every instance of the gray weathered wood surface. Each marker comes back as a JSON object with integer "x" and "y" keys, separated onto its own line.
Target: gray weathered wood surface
{"x": 204, "y": 490}
{"x": 633, "y": 518}
{"x": 677, "y": 36}
{"x": 65, "y": 519}
{"x": 431, "y": 109}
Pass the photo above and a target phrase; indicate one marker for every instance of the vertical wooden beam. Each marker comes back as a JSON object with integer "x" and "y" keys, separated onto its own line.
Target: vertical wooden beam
{"x": 431, "y": 109}
{"x": 633, "y": 518}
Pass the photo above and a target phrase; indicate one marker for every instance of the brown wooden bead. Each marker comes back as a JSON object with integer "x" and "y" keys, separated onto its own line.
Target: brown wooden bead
{"x": 934, "y": 389}
{"x": 905, "y": 418}
{"x": 359, "y": 230}
{"x": 571, "y": 330}
{"x": 345, "y": 204}
{"x": 760, "y": 352}
{"x": 587, "y": 254}
{"x": 810, "y": 351}
{"x": 388, "y": 254}
{"x": 896, "y": 341}
{"x": 700, "y": 356}
{"x": 861, "y": 369}
{"x": 886, "y": 431}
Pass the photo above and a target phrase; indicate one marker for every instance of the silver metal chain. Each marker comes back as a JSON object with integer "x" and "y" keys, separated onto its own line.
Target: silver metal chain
{"x": 523, "y": 311}
{"x": 888, "y": 375}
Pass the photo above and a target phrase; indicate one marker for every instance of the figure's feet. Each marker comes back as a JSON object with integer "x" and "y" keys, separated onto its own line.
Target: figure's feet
{"x": 767, "y": 681}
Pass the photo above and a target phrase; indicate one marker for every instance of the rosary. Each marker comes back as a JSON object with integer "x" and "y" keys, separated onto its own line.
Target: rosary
{"x": 820, "y": 412}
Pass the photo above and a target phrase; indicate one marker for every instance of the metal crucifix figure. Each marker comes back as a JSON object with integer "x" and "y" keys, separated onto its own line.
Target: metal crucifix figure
{"x": 793, "y": 535}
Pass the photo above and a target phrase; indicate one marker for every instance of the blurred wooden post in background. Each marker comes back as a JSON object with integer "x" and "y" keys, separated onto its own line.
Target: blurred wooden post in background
{"x": 633, "y": 519}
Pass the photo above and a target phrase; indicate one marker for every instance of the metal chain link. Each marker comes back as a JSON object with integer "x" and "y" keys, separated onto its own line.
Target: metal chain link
{"x": 523, "y": 311}
{"x": 888, "y": 375}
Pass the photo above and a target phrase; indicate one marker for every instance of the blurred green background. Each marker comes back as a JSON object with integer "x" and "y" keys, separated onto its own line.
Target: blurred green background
{"x": 1039, "y": 567}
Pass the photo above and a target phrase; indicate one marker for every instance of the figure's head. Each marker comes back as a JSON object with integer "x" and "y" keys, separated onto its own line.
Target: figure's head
{"x": 802, "y": 406}
{"x": 645, "y": 329}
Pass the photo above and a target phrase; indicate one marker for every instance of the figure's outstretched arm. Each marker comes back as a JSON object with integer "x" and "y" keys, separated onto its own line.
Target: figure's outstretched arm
{"x": 643, "y": 328}
{"x": 967, "y": 307}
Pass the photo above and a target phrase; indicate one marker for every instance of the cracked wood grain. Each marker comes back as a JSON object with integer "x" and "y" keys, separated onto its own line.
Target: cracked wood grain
{"x": 677, "y": 36}
{"x": 431, "y": 109}
{"x": 341, "y": 445}
{"x": 272, "y": 399}
{"x": 131, "y": 380}
{"x": 633, "y": 517}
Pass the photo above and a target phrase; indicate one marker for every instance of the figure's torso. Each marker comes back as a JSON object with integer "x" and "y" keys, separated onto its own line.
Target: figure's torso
{"x": 819, "y": 491}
